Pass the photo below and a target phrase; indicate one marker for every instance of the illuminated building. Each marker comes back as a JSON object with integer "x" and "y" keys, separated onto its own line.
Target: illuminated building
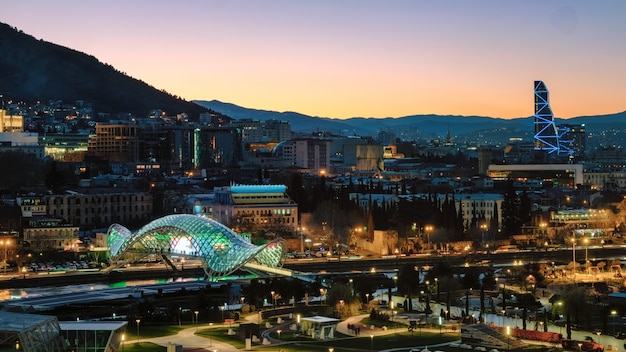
{"x": 260, "y": 206}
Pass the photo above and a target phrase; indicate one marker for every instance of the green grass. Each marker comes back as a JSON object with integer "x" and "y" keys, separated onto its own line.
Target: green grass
{"x": 143, "y": 347}
{"x": 220, "y": 334}
{"x": 147, "y": 331}
{"x": 380, "y": 324}
{"x": 299, "y": 343}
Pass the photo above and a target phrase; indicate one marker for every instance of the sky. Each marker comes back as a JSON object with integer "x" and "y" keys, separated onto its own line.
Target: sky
{"x": 354, "y": 58}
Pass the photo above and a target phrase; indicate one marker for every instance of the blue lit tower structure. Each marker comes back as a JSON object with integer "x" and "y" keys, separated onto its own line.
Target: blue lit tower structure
{"x": 547, "y": 136}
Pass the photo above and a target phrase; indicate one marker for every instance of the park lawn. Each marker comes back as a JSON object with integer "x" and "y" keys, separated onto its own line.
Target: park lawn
{"x": 221, "y": 334}
{"x": 148, "y": 331}
{"x": 364, "y": 343}
{"x": 143, "y": 347}
{"x": 379, "y": 324}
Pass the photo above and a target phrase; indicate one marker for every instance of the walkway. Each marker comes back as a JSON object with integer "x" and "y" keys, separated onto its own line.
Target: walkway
{"x": 190, "y": 341}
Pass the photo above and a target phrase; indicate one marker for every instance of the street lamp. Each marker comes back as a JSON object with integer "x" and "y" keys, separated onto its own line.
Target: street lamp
{"x": 508, "y": 337}
{"x": 574, "y": 255}
{"x": 428, "y": 229}
{"x": 137, "y": 321}
{"x": 279, "y": 331}
{"x": 372, "y": 342}
{"x": 586, "y": 241}
{"x": 196, "y": 313}
{"x": 5, "y": 243}
{"x": 123, "y": 338}
{"x": 613, "y": 314}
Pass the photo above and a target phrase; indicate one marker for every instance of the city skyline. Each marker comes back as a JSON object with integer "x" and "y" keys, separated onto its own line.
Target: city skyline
{"x": 354, "y": 58}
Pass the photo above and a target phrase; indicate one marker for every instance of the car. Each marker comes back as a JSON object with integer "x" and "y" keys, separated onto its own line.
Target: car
{"x": 589, "y": 338}
{"x": 620, "y": 335}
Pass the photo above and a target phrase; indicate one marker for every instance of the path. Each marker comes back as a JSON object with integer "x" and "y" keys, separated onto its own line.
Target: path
{"x": 189, "y": 340}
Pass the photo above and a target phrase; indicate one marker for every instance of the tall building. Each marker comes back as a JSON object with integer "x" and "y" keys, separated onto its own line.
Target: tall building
{"x": 547, "y": 137}
{"x": 114, "y": 142}
{"x": 312, "y": 154}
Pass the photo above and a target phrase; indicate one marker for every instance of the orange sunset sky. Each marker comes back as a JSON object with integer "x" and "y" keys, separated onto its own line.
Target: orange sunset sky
{"x": 353, "y": 58}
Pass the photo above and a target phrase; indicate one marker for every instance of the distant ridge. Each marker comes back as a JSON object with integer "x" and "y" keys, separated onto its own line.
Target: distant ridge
{"x": 35, "y": 70}
{"x": 428, "y": 125}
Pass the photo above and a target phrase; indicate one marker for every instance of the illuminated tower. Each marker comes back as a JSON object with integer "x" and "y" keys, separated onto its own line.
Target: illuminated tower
{"x": 547, "y": 135}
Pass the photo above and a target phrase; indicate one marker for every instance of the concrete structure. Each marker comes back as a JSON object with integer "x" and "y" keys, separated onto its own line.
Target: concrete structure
{"x": 100, "y": 207}
{"x": 312, "y": 154}
{"x": 114, "y": 142}
{"x": 263, "y": 206}
{"x": 25, "y": 142}
{"x": 569, "y": 175}
{"x": 319, "y": 328}
{"x": 479, "y": 205}
{"x": 11, "y": 123}
{"x": 46, "y": 234}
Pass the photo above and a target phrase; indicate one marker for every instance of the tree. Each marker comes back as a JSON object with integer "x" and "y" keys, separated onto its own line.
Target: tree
{"x": 25, "y": 170}
{"x": 408, "y": 282}
{"x": 510, "y": 211}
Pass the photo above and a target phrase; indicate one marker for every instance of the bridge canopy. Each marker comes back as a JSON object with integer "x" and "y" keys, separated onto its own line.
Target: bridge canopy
{"x": 221, "y": 249}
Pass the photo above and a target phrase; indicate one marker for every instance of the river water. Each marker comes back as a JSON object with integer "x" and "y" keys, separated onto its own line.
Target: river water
{"x": 18, "y": 293}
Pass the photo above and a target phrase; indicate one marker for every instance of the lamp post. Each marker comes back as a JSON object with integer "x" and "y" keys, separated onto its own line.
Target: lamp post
{"x": 123, "y": 338}
{"x": 613, "y": 314}
{"x": 137, "y": 321}
{"x": 440, "y": 323}
{"x": 5, "y": 244}
{"x": 196, "y": 313}
{"x": 279, "y": 331}
{"x": 428, "y": 229}
{"x": 301, "y": 230}
{"x": 372, "y": 342}
{"x": 586, "y": 241}
{"x": 574, "y": 255}
{"x": 508, "y": 337}
{"x": 210, "y": 336}
{"x": 437, "y": 283}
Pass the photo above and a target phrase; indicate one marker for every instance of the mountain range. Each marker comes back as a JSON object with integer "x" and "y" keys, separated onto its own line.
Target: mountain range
{"x": 431, "y": 126}
{"x": 36, "y": 70}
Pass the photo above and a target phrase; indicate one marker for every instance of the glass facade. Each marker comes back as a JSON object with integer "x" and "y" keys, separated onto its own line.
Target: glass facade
{"x": 222, "y": 250}
{"x": 86, "y": 336}
{"x": 30, "y": 333}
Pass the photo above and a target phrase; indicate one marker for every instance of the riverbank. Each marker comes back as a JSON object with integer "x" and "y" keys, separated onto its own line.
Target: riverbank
{"x": 80, "y": 277}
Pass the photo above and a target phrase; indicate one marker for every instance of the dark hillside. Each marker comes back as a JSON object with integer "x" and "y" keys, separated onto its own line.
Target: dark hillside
{"x": 35, "y": 70}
